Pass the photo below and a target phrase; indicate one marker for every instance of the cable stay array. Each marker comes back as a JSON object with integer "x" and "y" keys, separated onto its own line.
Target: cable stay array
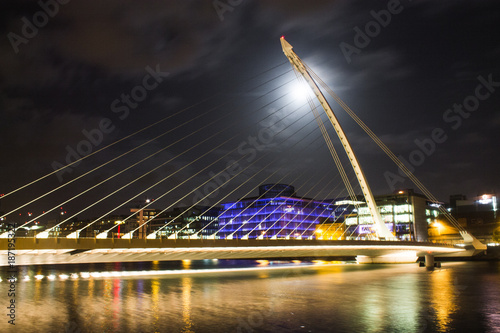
{"x": 208, "y": 125}
{"x": 382, "y": 231}
{"x": 261, "y": 196}
{"x": 144, "y": 144}
{"x": 196, "y": 235}
{"x": 216, "y": 189}
{"x": 142, "y": 130}
{"x": 104, "y": 234}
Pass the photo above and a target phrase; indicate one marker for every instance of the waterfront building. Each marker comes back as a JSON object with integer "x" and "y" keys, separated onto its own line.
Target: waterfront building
{"x": 197, "y": 221}
{"x": 407, "y": 214}
{"x": 478, "y": 215}
{"x": 330, "y": 231}
{"x": 480, "y": 210}
{"x": 93, "y": 230}
{"x": 276, "y": 213}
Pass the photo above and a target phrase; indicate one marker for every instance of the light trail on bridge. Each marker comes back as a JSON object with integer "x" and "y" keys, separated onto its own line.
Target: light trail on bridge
{"x": 89, "y": 250}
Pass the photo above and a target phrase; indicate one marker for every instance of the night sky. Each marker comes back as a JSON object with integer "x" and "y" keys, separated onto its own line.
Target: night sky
{"x": 423, "y": 75}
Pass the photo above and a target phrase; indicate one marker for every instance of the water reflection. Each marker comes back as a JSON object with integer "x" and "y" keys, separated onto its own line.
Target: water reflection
{"x": 155, "y": 301}
{"x": 107, "y": 299}
{"x": 116, "y": 303}
{"x": 211, "y": 296}
{"x": 38, "y": 284}
{"x": 443, "y": 297}
{"x": 187, "y": 284}
{"x": 373, "y": 311}
{"x": 405, "y": 293}
{"x": 490, "y": 296}
{"x": 90, "y": 287}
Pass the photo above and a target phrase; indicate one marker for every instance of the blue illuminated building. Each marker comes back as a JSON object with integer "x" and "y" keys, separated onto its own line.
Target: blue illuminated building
{"x": 276, "y": 213}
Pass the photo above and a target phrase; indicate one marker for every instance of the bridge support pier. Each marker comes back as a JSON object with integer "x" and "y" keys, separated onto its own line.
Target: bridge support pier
{"x": 429, "y": 261}
{"x": 404, "y": 257}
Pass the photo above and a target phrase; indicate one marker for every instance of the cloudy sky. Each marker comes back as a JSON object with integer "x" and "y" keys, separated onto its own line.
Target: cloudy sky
{"x": 77, "y": 76}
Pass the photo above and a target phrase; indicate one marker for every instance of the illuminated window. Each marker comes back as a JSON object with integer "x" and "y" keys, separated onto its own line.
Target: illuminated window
{"x": 386, "y": 209}
{"x": 364, "y": 211}
{"x": 351, "y": 221}
{"x": 403, "y": 218}
{"x": 402, "y": 209}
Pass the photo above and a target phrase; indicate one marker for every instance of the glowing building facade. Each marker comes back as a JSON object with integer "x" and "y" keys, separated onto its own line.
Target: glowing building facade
{"x": 407, "y": 214}
{"x": 276, "y": 213}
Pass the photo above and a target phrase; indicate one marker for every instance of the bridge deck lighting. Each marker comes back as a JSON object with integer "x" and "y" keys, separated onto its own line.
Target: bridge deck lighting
{"x": 102, "y": 235}
{"x": 43, "y": 234}
{"x": 75, "y": 234}
{"x": 128, "y": 235}
{"x": 151, "y": 235}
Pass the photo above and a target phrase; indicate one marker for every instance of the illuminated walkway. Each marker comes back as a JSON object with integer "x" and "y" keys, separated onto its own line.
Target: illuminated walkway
{"x": 31, "y": 251}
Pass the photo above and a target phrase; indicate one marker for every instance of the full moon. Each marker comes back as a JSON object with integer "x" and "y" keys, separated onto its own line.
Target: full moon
{"x": 301, "y": 91}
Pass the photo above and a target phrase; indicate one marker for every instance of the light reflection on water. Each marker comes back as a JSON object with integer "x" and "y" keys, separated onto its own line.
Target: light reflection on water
{"x": 187, "y": 283}
{"x": 155, "y": 304}
{"x": 443, "y": 296}
{"x": 271, "y": 298}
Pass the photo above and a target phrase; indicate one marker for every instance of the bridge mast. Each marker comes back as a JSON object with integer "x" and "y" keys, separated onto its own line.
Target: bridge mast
{"x": 382, "y": 231}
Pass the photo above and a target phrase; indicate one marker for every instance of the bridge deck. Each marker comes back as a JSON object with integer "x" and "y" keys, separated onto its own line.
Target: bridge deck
{"x": 31, "y": 251}
{"x": 24, "y": 243}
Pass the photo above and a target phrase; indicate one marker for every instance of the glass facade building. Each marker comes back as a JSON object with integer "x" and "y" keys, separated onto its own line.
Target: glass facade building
{"x": 199, "y": 222}
{"x": 407, "y": 214}
{"x": 276, "y": 213}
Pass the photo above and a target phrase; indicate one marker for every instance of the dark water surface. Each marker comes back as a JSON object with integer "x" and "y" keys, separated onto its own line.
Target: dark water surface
{"x": 246, "y": 296}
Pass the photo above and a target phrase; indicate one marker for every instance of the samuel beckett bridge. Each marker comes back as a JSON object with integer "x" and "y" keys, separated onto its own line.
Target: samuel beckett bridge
{"x": 276, "y": 224}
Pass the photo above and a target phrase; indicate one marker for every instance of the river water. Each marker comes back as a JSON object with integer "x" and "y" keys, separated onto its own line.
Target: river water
{"x": 253, "y": 296}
